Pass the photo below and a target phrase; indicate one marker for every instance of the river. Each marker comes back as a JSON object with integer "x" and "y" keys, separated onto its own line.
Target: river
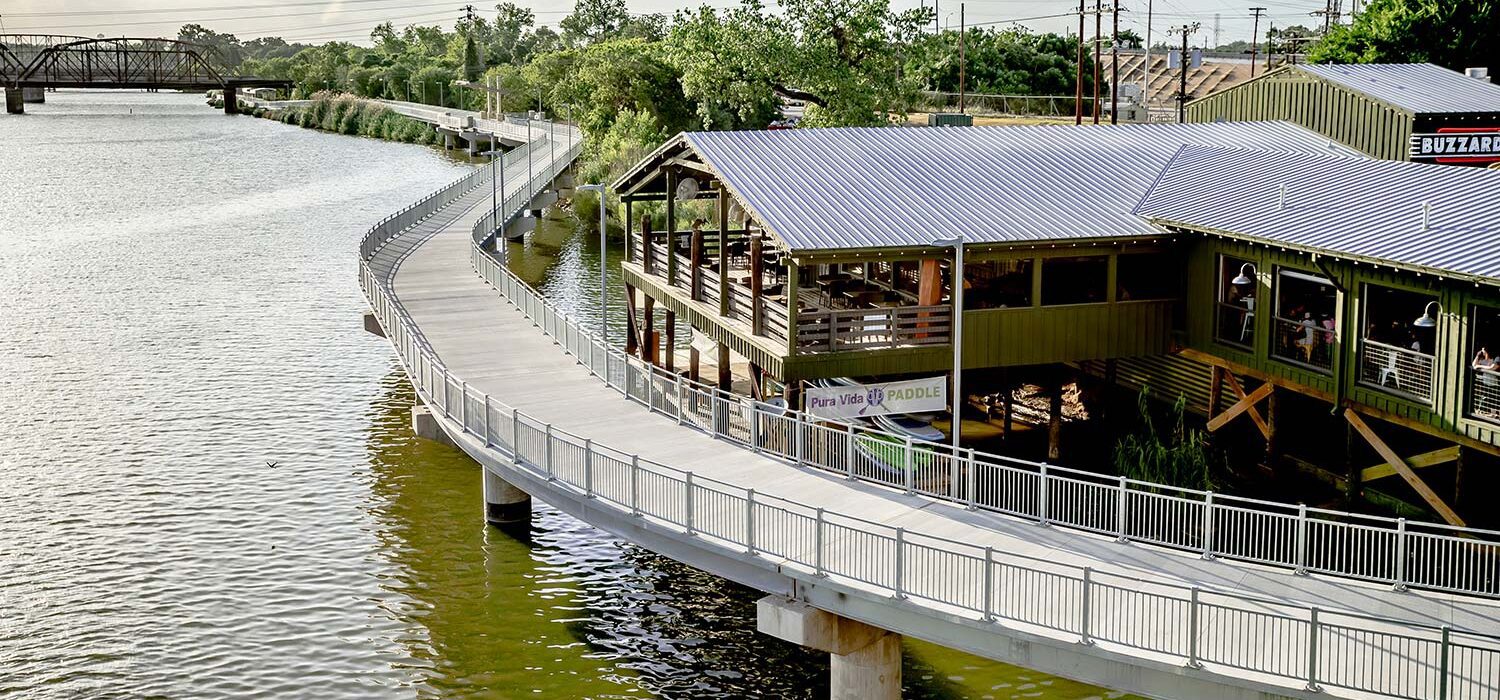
{"x": 208, "y": 484}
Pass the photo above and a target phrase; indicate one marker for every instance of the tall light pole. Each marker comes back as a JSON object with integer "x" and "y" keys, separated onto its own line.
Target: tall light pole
{"x": 497, "y": 179}
{"x": 957, "y": 244}
{"x": 603, "y": 266}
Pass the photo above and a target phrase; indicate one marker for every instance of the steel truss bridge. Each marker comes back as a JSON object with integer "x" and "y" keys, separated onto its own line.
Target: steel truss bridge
{"x": 47, "y": 61}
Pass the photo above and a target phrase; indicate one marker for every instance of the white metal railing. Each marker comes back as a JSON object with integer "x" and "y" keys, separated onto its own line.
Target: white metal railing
{"x": 1227, "y": 632}
{"x": 1486, "y": 394}
{"x": 1397, "y": 369}
{"x": 1303, "y": 341}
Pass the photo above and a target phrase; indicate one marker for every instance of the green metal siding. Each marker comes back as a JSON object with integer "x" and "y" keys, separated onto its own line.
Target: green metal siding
{"x": 1287, "y": 94}
{"x": 1049, "y": 334}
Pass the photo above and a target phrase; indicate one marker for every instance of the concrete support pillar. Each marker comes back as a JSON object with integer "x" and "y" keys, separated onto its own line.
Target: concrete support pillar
{"x": 504, "y": 504}
{"x": 231, "y": 100}
{"x": 14, "y": 104}
{"x": 448, "y": 140}
{"x": 34, "y": 95}
{"x": 865, "y": 661}
{"x": 426, "y": 426}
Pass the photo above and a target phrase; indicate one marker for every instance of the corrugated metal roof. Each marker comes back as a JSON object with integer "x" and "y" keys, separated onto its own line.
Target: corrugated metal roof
{"x": 1415, "y": 87}
{"x": 1365, "y": 208}
{"x": 895, "y": 187}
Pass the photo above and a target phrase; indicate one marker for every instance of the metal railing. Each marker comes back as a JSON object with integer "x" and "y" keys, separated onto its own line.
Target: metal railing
{"x": 1397, "y": 369}
{"x": 1304, "y": 342}
{"x": 1486, "y": 394}
{"x": 1228, "y": 633}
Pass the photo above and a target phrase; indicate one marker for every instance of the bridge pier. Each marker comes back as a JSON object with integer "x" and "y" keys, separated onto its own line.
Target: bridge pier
{"x": 231, "y": 100}
{"x": 372, "y": 325}
{"x": 14, "y": 102}
{"x": 864, "y": 661}
{"x": 504, "y": 504}
{"x": 34, "y": 95}
{"x": 426, "y": 426}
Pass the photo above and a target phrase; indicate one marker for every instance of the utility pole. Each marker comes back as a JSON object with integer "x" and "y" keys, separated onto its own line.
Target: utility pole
{"x": 1114, "y": 68}
{"x": 1255, "y": 38}
{"x": 1098, "y": 47}
{"x": 1186, "y": 30}
{"x": 1218, "y": 33}
{"x": 1146, "y": 64}
{"x": 961, "y": 58}
{"x": 1270, "y": 47}
{"x": 1078, "y": 77}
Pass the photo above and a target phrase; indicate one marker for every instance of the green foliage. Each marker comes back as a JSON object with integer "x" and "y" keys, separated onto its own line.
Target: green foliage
{"x": 1453, "y": 33}
{"x": 1179, "y": 458}
{"x": 1002, "y": 62}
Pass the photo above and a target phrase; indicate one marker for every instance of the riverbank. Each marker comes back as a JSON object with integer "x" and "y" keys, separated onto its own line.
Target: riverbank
{"x": 350, "y": 116}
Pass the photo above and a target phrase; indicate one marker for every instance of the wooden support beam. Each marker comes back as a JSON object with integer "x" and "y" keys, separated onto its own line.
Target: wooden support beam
{"x": 726, "y": 380}
{"x": 671, "y": 227}
{"x": 1054, "y": 418}
{"x": 1245, "y": 404}
{"x": 757, "y": 327}
{"x": 648, "y": 258}
{"x": 649, "y": 327}
{"x": 695, "y": 254}
{"x": 1273, "y": 447}
{"x": 632, "y": 333}
{"x": 693, "y": 363}
{"x": 1426, "y": 459}
{"x": 669, "y": 349}
{"x": 1215, "y": 389}
{"x": 1403, "y": 468}
{"x": 723, "y": 207}
{"x": 792, "y": 283}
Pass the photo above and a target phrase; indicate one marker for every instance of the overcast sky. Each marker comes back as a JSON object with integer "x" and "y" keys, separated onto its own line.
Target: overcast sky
{"x": 351, "y": 20}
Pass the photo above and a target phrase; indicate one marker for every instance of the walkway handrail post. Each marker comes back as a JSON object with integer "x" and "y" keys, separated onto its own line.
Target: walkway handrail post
{"x": 849, "y": 452}
{"x": 688, "y": 505}
{"x": 515, "y": 438}
{"x": 971, "y": 481}
{"x": 1088, "y": 596}
{"x": 755, "y": 427}
{"x": 1312, "y": 651}
{"x": 635, "y": 485}
{"x": 1042, "y": 497}
{"x": 1208, "y": 525}
{"x": 486, "y": 409}
{"x": 989, "y": 584}
{"x": 1301, "y": 539}
{"x": 547, "y": 453}
{"x": 1399, "y": 566}
{"x": 900, "y": 562}
{"x": 588, "y": 467}
{"x": 1121, "y": 494}
{"x": 1193, "y": 613}
{"x": 463, "y": 407}
{"x": 797, "y": 434}
{"x": 679, "y": 398}
{"x": 818, "y": 544}
{"x": 1444, "y": 662}
{"x": 750, "y": 522}
{"x": 907, "y": 475}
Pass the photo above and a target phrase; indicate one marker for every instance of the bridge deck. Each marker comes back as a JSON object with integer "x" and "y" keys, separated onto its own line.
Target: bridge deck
{"x": 488, "y": 342}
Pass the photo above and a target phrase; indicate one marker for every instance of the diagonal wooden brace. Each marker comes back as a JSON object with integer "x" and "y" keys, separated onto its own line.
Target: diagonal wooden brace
{"x": 1402, "y": 468}
{"x": 1426, "y": 459}
{"x": 1246, "y": 404}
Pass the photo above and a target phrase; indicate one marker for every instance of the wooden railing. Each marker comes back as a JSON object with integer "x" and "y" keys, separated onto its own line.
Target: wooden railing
{"x": 863, "y": 329}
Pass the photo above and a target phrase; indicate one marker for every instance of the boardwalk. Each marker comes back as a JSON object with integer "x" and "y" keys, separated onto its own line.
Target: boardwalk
{"x": 1142, "y": 616}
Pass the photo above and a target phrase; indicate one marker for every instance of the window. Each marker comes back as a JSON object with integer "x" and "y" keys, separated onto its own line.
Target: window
{"x": 1081, "y": 280}
{"x": 1234, "y": 305}
{"x": 998, "y": 284}
{"x": 1304, "y": 328}
{"x": 1396, "y": 353}
{"x": 1484, "y": 367}
{"x": 1147, "y": 276}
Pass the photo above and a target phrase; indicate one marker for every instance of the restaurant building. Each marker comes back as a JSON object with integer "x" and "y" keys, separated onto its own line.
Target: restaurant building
{"x": 1241, "y": 265}
{"x": 1395, "y": 111}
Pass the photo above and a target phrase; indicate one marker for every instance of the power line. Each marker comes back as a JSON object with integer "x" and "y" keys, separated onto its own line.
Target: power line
{"x": 215, "y": 20}
{"x": 218, "y": 8}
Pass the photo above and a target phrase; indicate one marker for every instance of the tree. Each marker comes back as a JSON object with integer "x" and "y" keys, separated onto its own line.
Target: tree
{"x": 593, "y": 21}
{"x": 1452, "y": 33}
{"x": 226, "y": 47}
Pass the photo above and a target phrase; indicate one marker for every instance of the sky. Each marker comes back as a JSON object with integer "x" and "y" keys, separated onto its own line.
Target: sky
{"x": 316, "y": 21}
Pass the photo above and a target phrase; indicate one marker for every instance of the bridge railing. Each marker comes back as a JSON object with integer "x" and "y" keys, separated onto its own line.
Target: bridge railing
{"x": 1306, "y": 540}
{"x": 1221, "y": 632}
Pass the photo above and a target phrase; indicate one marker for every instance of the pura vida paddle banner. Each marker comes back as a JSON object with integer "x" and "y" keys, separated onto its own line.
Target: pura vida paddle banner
{"x": 865, "y": 400}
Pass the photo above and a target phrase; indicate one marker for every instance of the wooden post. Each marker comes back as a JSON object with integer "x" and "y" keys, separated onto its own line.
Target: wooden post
{"x": 1458, "y": 482}
{"x": 726, "y": 380}
{"x": 669, "y": 348}
{"x": 649, "y": 326}
{"x": 1215, "y": 389}
{"x": 648, "y": 258}
{"x": 791, "y": 306}
{"x": 693, "y": 363}
{"x": 723, "y": 250}
{"x": 930, "y": 283}
{"x": 1353, "y": 475}
{"x": 631, "y": 332}
{"x": 629, "y": 228}
{"x": 1054, "y": 418}
{"x": 756, "y": 326}
{"x": 695, "y": 280}
{"x": 756, "y": 392}
{"x": 1273, "y": 453}
{"x": 671, "y": 227}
